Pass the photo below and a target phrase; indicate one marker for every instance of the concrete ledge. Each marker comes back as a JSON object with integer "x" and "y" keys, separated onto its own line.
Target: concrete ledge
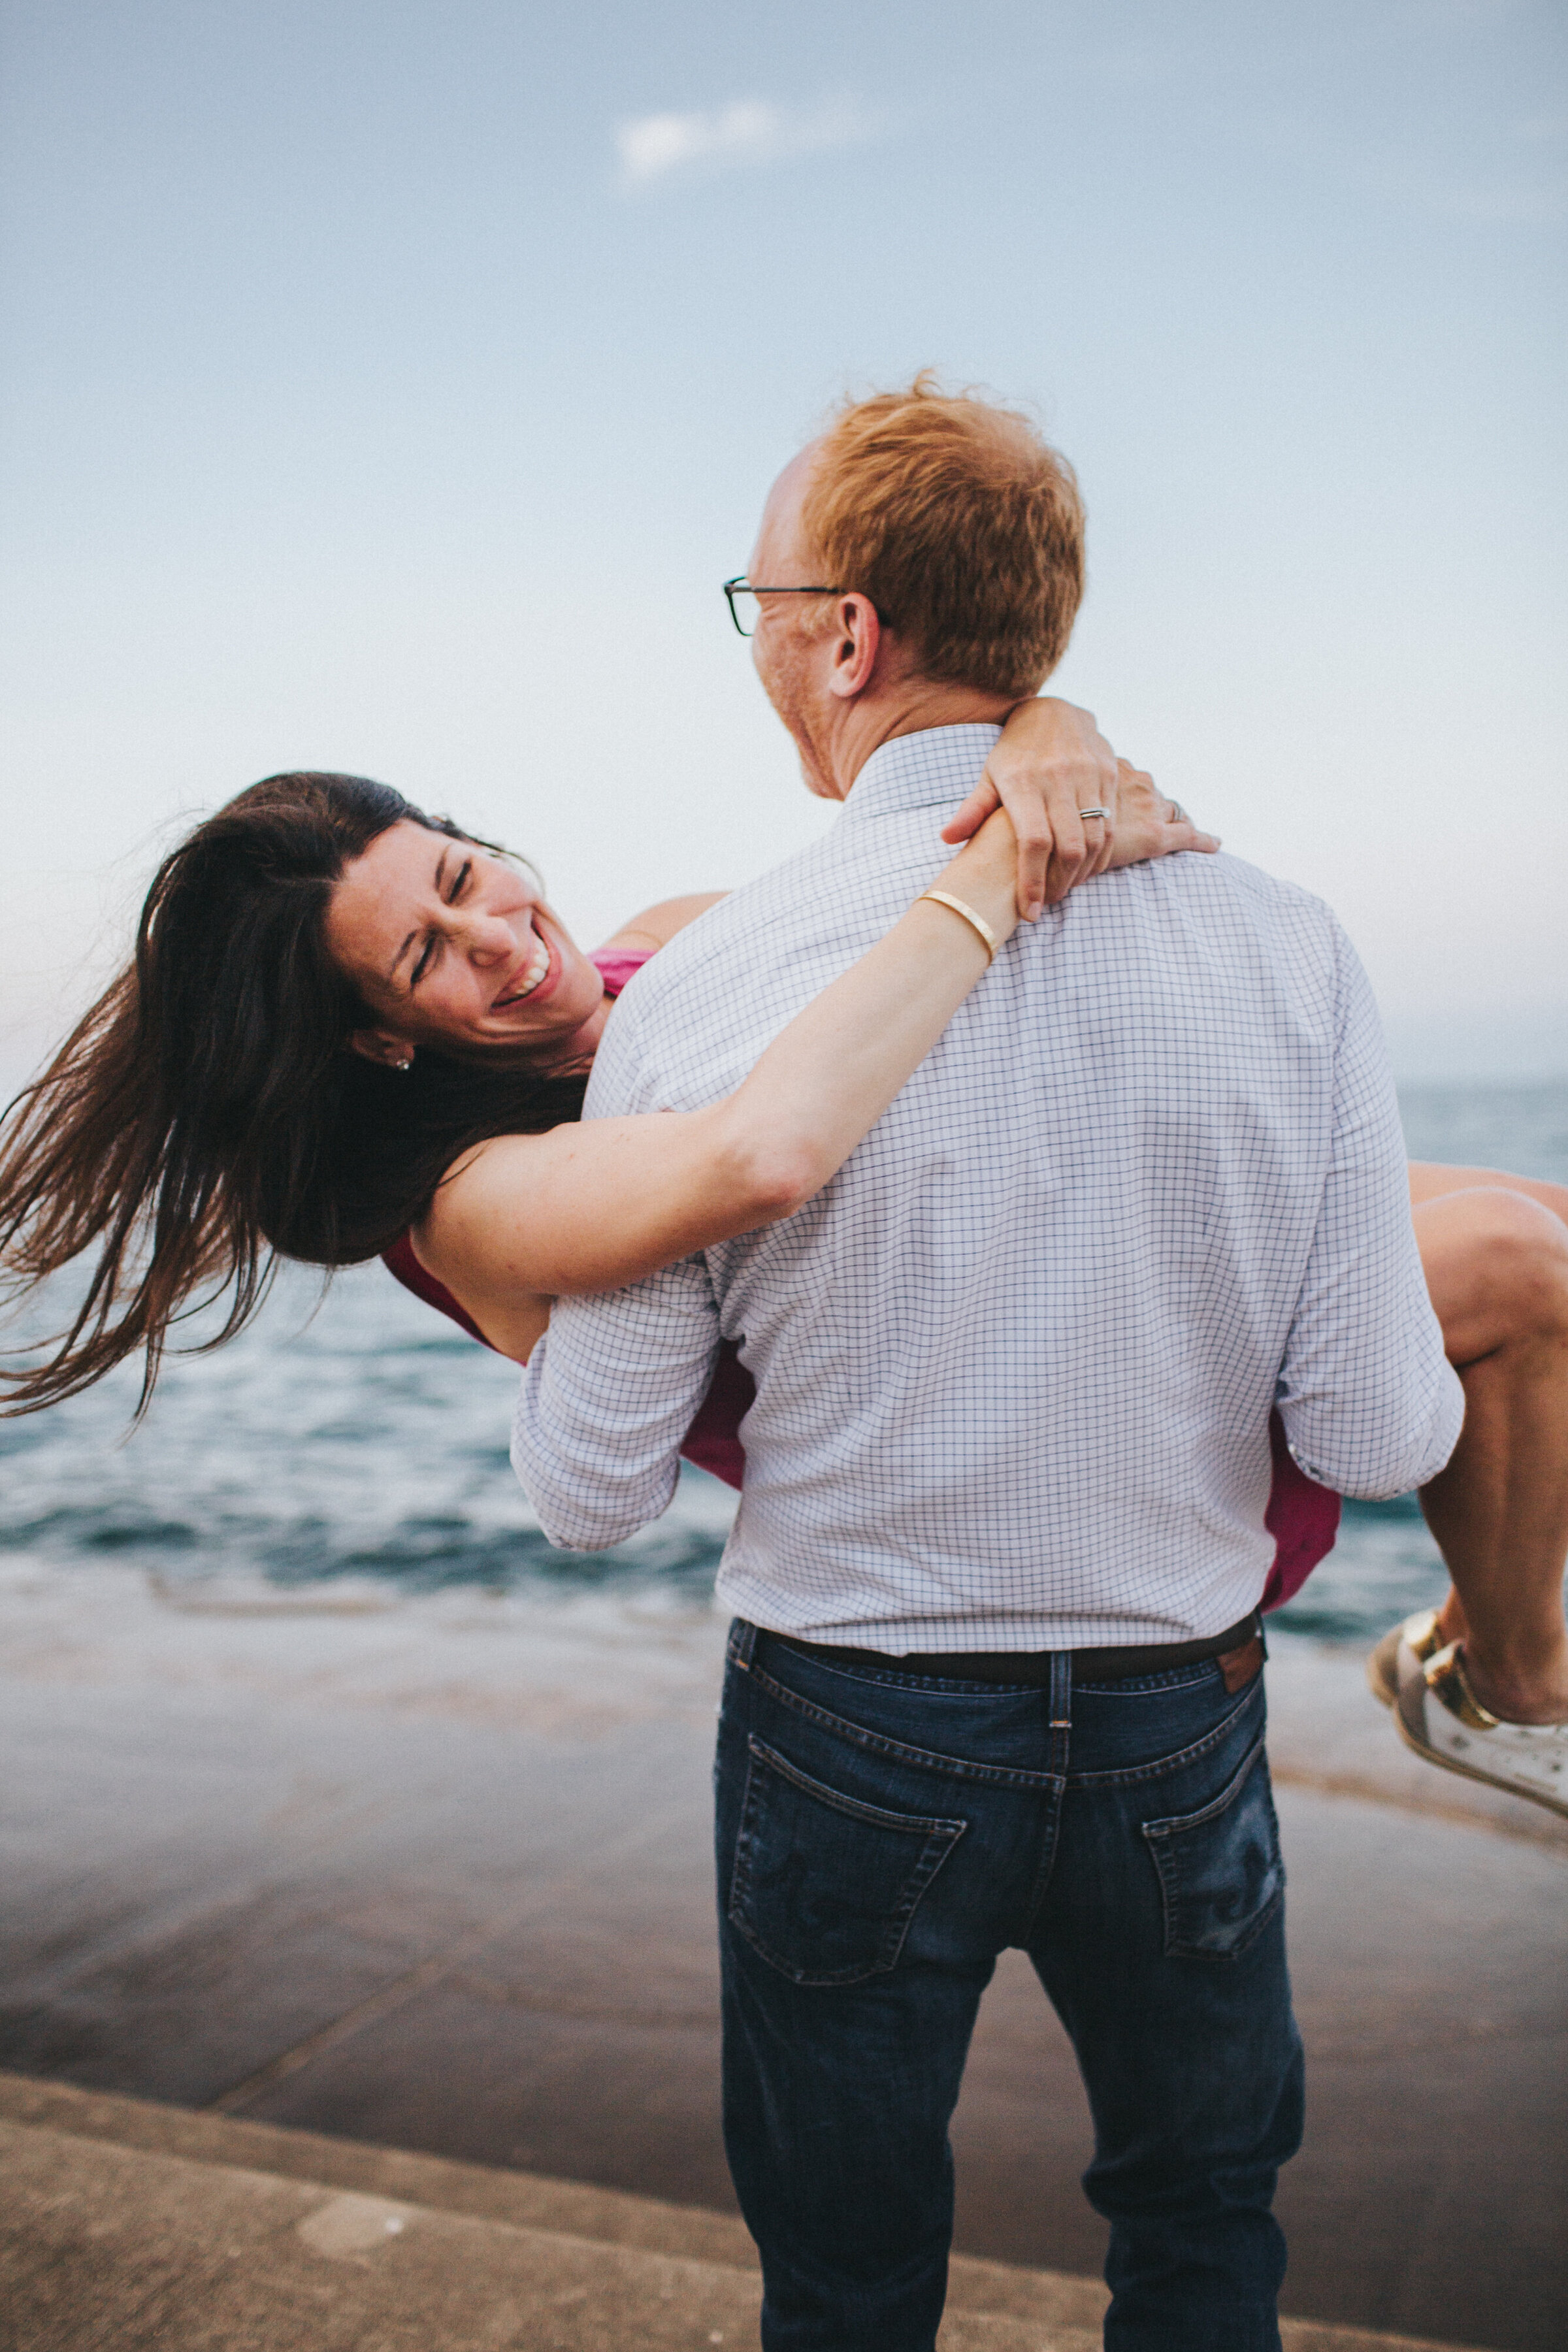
{"x": 102, "y": 2245}
{"x": 483, "y": 2192}
{"x": 130, "y": 2224}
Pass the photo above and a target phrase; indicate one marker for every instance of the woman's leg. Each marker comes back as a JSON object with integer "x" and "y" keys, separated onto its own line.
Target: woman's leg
{"x": 1495, "y": 1251}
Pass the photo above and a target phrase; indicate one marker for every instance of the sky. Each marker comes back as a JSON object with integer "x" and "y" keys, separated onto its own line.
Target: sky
{"x": 389, "y": 385}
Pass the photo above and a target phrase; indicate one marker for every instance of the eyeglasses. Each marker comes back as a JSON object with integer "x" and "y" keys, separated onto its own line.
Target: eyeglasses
{"x": 745, "y": 610}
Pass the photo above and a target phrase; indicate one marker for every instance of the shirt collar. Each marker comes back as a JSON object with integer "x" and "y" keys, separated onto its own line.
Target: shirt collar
{"x": 939, "y": 765}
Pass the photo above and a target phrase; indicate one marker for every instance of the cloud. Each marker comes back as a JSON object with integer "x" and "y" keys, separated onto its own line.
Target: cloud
{"x": 748, "y": 131}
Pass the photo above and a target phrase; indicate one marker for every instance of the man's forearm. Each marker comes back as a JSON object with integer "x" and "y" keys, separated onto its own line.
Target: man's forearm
{"x": 1379, "y": 1455}
{"x": 1370, "y": 1405}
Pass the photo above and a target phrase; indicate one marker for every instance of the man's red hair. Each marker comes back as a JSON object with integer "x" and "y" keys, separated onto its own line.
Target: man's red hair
{"x": 962, "y": 526}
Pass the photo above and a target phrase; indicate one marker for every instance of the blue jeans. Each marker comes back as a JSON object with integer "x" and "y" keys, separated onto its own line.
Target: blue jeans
{"x": 881, "y": 1837}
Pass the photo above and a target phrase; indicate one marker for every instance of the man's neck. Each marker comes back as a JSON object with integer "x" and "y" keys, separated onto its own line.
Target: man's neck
{"x": 907, "y": 708}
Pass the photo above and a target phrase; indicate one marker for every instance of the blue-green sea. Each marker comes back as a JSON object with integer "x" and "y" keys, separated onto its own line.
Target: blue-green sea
{"x": 356, "y": 1435}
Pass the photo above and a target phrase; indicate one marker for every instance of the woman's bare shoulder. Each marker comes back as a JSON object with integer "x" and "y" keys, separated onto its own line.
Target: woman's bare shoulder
{"x": 656, "y": 925}
{"x": 474, "y": 1181}
{"x": 474, "y": 1237}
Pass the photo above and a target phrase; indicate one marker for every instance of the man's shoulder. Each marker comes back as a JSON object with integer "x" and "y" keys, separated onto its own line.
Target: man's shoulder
{"x": 774, "y": 919}
{"x": 1239, "y": 933}
{"x": 1231, "y": 888}
{"x": 702, "y": 999}
{"x": 1227, "y": 875}
{"x": 712, "y": 935}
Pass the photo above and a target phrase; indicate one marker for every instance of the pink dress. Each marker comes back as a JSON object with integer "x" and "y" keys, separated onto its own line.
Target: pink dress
{"x": 1302, "y": 1518}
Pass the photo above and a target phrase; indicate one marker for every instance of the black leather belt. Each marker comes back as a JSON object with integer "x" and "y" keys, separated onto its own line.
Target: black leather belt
{"x": 1033, "y": 1667}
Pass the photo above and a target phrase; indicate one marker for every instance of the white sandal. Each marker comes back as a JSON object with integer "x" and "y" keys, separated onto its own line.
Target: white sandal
{"x": 1437, "y": 1714}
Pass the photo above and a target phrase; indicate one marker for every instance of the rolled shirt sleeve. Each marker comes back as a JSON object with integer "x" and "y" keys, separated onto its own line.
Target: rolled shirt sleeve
{"x": 1370, "y": 1405}
{"x": 607, "y": 1396}
{"x": 611, "y": 1389}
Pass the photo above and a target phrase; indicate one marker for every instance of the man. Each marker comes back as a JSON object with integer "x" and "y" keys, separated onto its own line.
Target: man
{"x": 995, "y": 1672}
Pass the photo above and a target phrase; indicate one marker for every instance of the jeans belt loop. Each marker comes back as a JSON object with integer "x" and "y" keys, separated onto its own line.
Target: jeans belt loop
{"x": 1061, "y": 1707}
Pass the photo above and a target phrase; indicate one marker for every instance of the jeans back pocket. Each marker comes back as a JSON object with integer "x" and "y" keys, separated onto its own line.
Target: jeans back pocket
{"x": 825, "y": 1886}
{"x": 1222, "y": 1875}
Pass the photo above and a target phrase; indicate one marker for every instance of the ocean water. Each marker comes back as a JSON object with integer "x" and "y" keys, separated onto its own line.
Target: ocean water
{"x": 357, "y": 1439}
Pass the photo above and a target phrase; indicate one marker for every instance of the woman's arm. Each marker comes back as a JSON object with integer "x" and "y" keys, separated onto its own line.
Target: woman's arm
{"x": 590, "y": 1207}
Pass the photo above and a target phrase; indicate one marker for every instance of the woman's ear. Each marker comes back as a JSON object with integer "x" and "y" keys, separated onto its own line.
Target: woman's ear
{"x": 382, "y": 1046}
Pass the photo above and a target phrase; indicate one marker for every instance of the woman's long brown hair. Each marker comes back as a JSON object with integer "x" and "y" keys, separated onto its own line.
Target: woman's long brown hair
{"x": 208, "y": 1116}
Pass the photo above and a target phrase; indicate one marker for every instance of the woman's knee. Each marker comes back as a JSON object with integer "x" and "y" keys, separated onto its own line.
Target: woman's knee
{"x": 1496, "y": 1266}
{"x": 1527, "y": 1257}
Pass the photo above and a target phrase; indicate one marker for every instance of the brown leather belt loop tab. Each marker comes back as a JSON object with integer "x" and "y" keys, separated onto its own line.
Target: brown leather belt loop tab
{"x": 1159, "y": 1657}
{"x": 1033, "y": 1667}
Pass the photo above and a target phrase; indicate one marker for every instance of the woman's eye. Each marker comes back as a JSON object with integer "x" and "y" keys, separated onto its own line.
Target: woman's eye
{"x": 423, "y": 966}
{"x": 461, "y": 884}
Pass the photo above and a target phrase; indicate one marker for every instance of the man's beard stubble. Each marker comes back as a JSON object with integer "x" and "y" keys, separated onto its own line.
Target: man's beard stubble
{"x": 786, "y": 683}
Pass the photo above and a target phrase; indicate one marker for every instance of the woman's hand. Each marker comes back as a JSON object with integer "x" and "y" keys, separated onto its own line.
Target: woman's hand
{"x": 1148, "y": 825}
{"x": 1051, "y": 764}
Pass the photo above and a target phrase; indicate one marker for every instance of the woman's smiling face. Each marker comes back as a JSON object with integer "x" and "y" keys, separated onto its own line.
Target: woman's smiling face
{"x": 451, "y": 945}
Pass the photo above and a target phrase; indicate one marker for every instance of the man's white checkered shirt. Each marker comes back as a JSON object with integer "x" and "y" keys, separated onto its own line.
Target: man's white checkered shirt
{"x": 1014, "y": 1364}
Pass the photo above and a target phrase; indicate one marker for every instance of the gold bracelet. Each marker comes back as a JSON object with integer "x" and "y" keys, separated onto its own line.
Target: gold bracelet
{"x": 976, "y": 922}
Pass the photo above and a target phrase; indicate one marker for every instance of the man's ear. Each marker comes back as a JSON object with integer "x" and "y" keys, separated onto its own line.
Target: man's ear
{"x": 384, "y": 1046}
{"x": 856, "y": 638}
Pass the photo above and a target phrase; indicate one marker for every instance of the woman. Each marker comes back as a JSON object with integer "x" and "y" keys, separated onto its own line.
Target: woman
{"x": 353, "y": 1030}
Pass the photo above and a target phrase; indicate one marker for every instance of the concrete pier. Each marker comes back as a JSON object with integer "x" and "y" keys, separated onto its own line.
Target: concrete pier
{"x": 435, "y": 1877}
{"x": 136, "y": 2225}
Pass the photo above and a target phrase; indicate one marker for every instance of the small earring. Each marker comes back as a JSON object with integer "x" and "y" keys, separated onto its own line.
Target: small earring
{"x": 406, "y": 1063}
